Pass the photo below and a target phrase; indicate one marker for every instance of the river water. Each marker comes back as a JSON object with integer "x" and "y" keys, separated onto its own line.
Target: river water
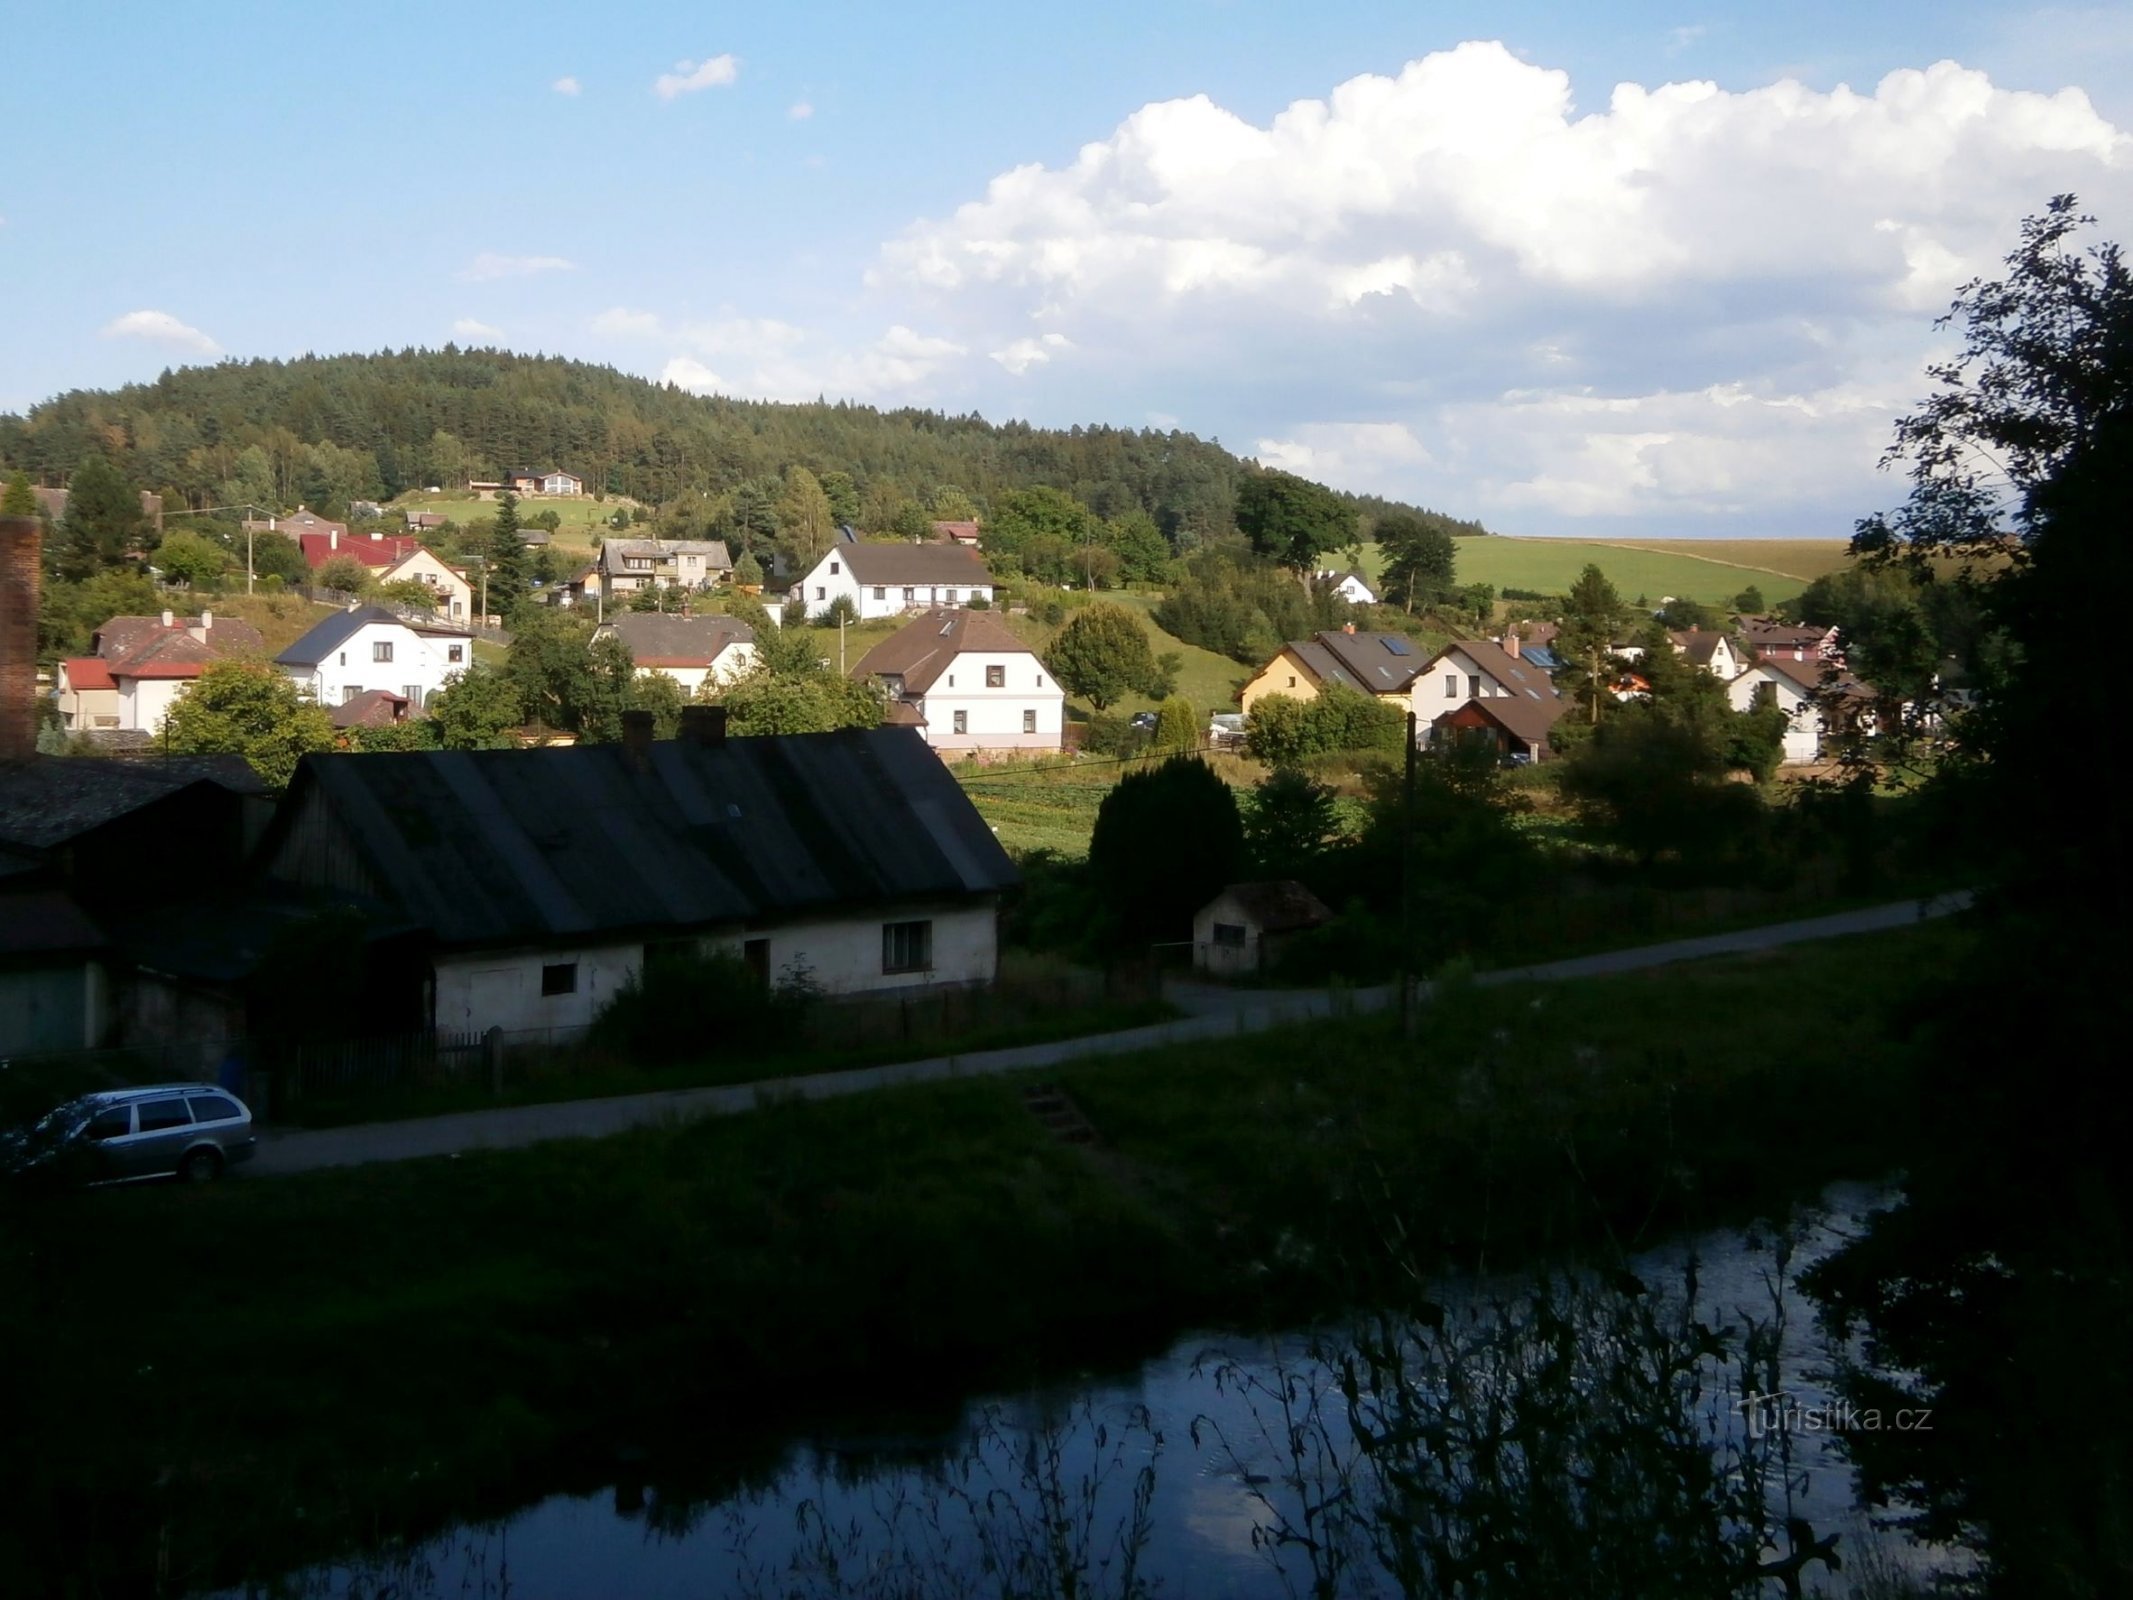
{"x": 1172, "y": 1475}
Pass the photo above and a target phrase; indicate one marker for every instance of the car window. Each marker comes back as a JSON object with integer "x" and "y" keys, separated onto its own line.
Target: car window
{"x": 213, "y": 1108}
{"x": 113, "y": 1122}
{"x": 159, "y": 1114}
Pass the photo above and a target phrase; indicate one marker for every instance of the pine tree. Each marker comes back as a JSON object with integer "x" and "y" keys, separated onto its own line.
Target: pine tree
{"x": 506, "y": 556}
{"x": 18, "y": 501}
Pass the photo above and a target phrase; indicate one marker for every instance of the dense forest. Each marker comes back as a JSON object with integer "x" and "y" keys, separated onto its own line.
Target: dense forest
{"x": 333, "y": 428}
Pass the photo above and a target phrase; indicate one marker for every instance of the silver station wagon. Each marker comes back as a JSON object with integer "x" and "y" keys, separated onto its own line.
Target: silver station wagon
{"x": 183, "y": 1130}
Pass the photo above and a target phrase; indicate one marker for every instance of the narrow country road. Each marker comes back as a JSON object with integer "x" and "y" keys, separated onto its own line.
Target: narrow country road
{"x": 1212, "y": 1011}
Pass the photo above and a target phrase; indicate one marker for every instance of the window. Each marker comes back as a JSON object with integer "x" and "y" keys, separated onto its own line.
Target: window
{"x": 158, "y": 1116}
{"x": 821, "y": 593}
{"x": 881, "y": 591}
{"x": 1040, "y": 680}
{"x": 213, "y": 1108}
{"x": 836, "y": 567}
{"x": 113, "y": 1122}
{"x": 910, "y": 595}
{"x": 455, "y": 653}
{"x": 348, "y": 692}
{"x": 412, "y": 693}
{"x": 755, "y": 955}
{"x": 344, "y": 658}
{"x": 995, "y": 677}
{"x": 1229, "y": 936}
{"x": 1029, "y": 722}
{"x": 1292, "y": 680}
{"x": 906, "y": 946}
{"x": 962, "y": 722}
{"x": 559, "y": 977}
{"x": 1451, "y": 686}
{"x": 1473, "y": 686}
{"x": 382, "y": 650}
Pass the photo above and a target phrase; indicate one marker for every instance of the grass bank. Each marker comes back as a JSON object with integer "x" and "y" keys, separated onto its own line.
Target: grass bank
{"x": 1710, "y": 570}
{"x": 230, "y": 1381}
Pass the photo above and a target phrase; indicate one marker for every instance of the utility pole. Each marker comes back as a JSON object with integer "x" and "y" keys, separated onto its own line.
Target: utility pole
{"x": 840, "y": 644}
{"x": 1407, "y": 887}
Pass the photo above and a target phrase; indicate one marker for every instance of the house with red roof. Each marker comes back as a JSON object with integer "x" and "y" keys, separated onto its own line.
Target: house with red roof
{"x": 139, "y": 666}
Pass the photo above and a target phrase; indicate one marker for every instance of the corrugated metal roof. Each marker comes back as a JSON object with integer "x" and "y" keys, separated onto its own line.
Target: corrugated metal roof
{"x": 495, "y": 846}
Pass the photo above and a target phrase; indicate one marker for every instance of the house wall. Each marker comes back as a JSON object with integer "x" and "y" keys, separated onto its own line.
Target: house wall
{"x": 735, "y": 661}
{"x": 421, "y": 662}
{"x": 457, "y": 593}
{"x": 86, "y": 708}
{"x": 993, "y": 717}
{"x": 145, "y": 702}
{"x": 1803, "y": 723}
{"x": 56, "y": 1006}
{"x": 1228, "y": 961}
{"x": 841, "y": 955}
{"x": 1430, "y": 699}
{"x": 832, "y": 577}
{"x": 1283, "y": 675}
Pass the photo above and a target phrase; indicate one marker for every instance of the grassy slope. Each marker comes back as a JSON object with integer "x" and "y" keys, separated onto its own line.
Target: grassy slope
{"x": 467, "y": 1318}
{"x": 280, "y": 619}
{"x": 1710, "y": 570}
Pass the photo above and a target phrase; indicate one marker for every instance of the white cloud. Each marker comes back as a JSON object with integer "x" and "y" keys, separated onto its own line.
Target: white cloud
{"x": 1450, "y": 283}
{"x": 799, "y": 111}
{"x": 765, "y": 359}
{"x": 688, "y": 373}
{"x": 489, "y": 266}
{"x": 160, "y": 327}
{"x": 620, "y": 321}
{"x": 1023, "y": 354}
{"x": 567, "y": 85}
{"x": 690, "y": 76}
{"x": 1679, "y": 39}
{"x": 468, "y": 328}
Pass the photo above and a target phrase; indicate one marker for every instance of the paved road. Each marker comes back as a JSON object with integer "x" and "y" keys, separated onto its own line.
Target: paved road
{"x": 1212, "y": 1012}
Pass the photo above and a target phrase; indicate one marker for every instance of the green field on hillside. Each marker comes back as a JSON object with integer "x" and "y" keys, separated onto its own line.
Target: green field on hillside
{"x": 1710, "y": 570}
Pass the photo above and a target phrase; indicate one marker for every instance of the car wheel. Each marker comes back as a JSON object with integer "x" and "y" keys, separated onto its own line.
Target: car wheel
{"x": 201, "y": 1166}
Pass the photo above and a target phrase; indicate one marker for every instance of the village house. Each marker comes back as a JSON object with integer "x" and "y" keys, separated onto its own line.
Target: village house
{"x": 1350, "y": 586}
{"x": 1518, "y": 725}
{"x": 392, "y": 558}
{"x": 963, "y": 533}
{"x": 547, "y": 879}
{"x": 368, "y": 647}
{"x": 1810, "y": 692}
{"x": 139, "y": 666}
{"x": 53, "y": 503}
{"x": 1710, "y": 650}
{"x": 886, "y": 580}
{"x": 485, "y": 488}
{"x": 1243, "y": 930}
{"x": 455, "y": 596}
{"x": 425, "y": 521}
{"x": 1479, "y": 669}
{"x": 1381, "y": 665}
{"x": 626, "y": 565}
{"x": 690, "y": 650}
{"x": 533, "y": 485}
{"x": 1769, "y": 640}
{"x": 966, "y": 682}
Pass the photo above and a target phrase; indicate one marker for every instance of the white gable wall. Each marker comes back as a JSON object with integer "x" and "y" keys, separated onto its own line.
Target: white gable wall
{"x": 1457, "y": 675}
{"x": 455, "y": 592}
{"x": 995, "y": 719}
{"x": 1803, "y": 723}
{"x": 832, "y": 577}
{"x": 420, "y": 664}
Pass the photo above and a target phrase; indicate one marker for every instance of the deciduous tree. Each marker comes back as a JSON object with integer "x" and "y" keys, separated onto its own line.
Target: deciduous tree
{"x": 1291, "y": 520}
{"x": 477, "y": 710}
{"x": 1102, "y": 655}
{"x": 1420, "y": 560}
{"x": 249, "y": 709}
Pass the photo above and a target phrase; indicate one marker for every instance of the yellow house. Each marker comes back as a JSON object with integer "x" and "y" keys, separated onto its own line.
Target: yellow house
{"x": 1381, "y": 665}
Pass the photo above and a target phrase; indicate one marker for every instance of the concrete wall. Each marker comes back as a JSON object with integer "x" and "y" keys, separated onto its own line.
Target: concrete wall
{"x": 841, "y": 955}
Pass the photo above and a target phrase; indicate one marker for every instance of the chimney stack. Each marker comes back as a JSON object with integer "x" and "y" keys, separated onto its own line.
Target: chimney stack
{"x": 169, "y": 620}
{"x": 704, "y": 725}
{"x": 1511, "y": 645}
{"x": 637, "y": 739}
{"x": 1347, "y": 627}
{"x": 21, "y": 540}
{"x": 333, "y": 538}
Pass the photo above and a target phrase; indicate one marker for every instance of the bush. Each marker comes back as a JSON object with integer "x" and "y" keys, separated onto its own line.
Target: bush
{"x": 838, "y": 610}
{"x": 699, "y": 1003}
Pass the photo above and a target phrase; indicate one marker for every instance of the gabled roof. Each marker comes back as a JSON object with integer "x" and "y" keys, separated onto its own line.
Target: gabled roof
{"x": 489, "y": 847}
{"x": 120, "y": 637}
{"x": 1785, "y": 635}
{"x": 330, "y": 634}
{"x": 1280, "y": 906}
{"x": 912, "y": 564}
{"x": 373, "y": 708}
{"x": 48, "y": 800}
{"x": 921, "y": 651}
{"x": 1523, "y": 678}
{"x": 655, "y": 640}
{"x": 374, "y": 550}
{"x": 1529, "y": 721}
{"x": 958, "y": 532}
{"x": 1373, "y": 663}
{"x": 88, "y": 672}
{"x": 1697, "y": 644}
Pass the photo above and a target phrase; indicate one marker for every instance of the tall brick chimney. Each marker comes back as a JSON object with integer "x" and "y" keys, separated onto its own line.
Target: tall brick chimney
{"x": 21, "y": 541}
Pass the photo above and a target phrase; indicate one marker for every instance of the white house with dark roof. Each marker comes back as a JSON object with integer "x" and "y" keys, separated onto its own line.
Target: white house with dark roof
{"x": 687, "y": 649}
{"x": 368, "y": 647}
{"x": 886, "y": 580}
{"x": 1477, "y": 669}
{"x": 966, "y": 682}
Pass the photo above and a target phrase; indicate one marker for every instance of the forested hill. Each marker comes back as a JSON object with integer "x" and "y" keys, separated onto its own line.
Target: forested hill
{"x": 415, "y": 417}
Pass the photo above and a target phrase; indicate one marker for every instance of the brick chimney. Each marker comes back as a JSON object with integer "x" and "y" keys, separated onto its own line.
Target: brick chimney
{"x": 1347, "y": 627}
{"x": 1512, "y": 646}
{"x": 637, "y": 740}
{"x": 21, "y": 541}
{"x": 704, "y": 725}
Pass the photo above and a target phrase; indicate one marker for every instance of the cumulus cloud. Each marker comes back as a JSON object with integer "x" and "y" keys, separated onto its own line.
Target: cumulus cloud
{"x": 799, "y": 111}
{"x": 489, "y": 266}
{"x": 468, "y": 328}
{"x": 567, "y": 85}
{"x": 160, "y": 327}
{"x": 621, "y": 321}
{"x": 690, "y": 76}
{"x": 764, "y": 358}
{"x": 1452, "y": 283}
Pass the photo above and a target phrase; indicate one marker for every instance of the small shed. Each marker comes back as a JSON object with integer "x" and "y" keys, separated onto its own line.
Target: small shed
{"x": 1242, "y": 930}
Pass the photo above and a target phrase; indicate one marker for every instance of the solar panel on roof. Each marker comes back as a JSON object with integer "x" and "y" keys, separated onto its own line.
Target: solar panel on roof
{"x": 1397, "y": 646}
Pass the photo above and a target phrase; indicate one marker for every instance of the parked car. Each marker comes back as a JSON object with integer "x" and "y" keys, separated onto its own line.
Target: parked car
{"x": 169, "y": 1130}
{"x": 1143, "y": 721}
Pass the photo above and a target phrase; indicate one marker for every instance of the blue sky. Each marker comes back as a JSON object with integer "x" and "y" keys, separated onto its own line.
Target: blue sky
{"x": 1430, "y": 250}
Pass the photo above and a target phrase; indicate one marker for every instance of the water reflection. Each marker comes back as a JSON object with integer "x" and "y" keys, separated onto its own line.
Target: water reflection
{"x": 1375, "y": 1464}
